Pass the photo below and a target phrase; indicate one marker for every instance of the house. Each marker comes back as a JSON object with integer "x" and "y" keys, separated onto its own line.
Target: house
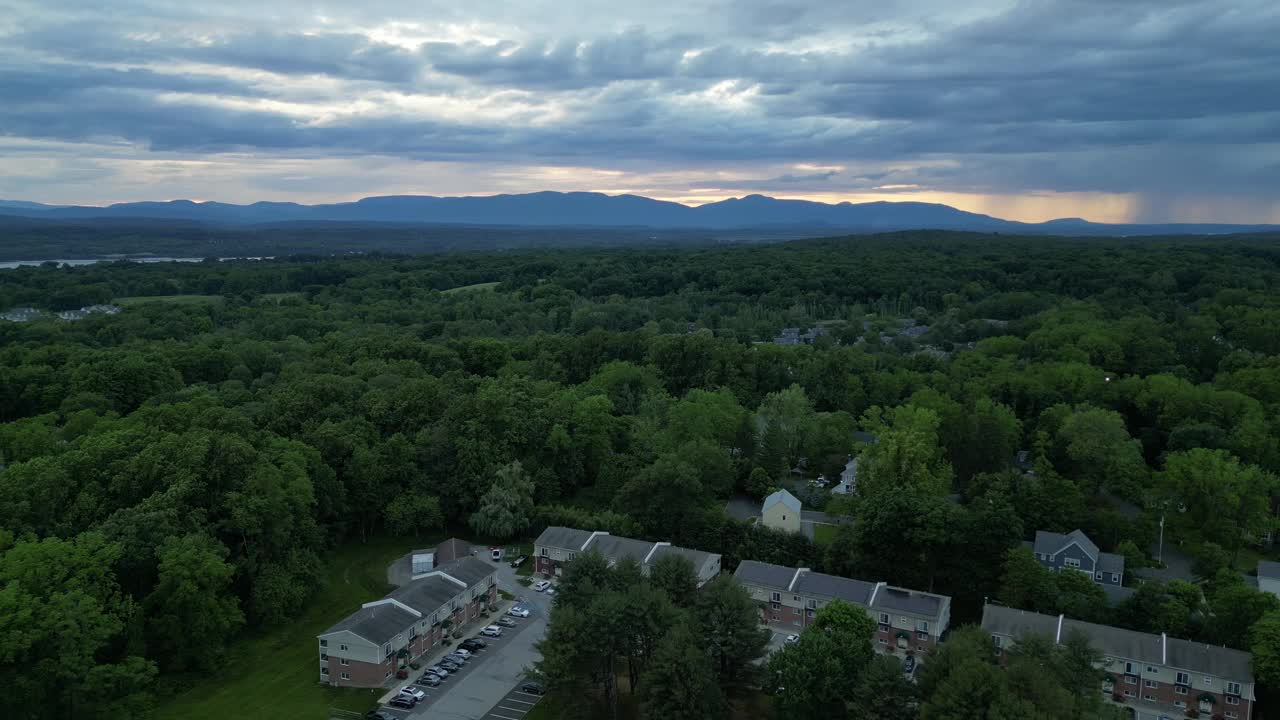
{"x": 1024, "y": 463}
{"x": 1269, "y": 577}
{"x": 907, "y": 621}
{"x": 1075, "y": 551}
{"x": 1156, "y": 676}
{"x": 781, "y": 511}
{"x": 366, "y": 648}
{"x": 557, "y": 546}
{"x": 848, "y": 477}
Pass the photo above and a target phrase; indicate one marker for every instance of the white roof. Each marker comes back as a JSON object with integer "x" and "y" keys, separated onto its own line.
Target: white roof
{"x": 784, "y": 497}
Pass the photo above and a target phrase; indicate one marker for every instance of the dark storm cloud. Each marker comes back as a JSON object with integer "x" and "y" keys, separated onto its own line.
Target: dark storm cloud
{"x": 1140, "y": 96}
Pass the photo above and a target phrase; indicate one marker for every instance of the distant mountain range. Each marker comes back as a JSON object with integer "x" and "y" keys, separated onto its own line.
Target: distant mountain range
{"x": 583, "y": 209}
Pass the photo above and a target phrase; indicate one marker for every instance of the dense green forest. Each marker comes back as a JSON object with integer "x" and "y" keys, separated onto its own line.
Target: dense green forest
{"x": 173, "y": 475}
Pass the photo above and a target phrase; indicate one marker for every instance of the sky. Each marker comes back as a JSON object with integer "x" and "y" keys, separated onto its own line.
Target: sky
{"x": 1112, "y": 110}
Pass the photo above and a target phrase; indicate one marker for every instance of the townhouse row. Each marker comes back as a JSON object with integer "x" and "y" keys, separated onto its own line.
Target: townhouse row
{"x": 1156, "y": 676}
{"x": 366, "y": 648}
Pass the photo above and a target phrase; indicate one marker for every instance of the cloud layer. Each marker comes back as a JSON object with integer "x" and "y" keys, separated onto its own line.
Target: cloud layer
{"x": 1142, "y": 110}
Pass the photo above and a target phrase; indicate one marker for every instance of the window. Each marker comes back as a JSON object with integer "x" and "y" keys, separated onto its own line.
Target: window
{"x": 1208, "y": 681}
{"x": 1149, "y": 698}
{"x": 922, "y": 635}
{"x": 1097, "y": 575}
{"x": 922, "y": 626}
{"x": 342, "y": 647}
{"x": 795, "y": 598}
{"x": 777, "y": 597}
{"x": 324, "y": 656}
{"x": 1233, "y": 700}
{"x": 1182, "y": 679}
{"x": 343, "y": 661}
{"x": 812, "y": 604}
{"x": 1130, "y": 668}
{"x": 386, "y": 650}
{"x": 545, "y": 553}
{"x": 1180, "y": 704}
{"x": 346, "y": 676}
{"x": 1115, "y": 578}
{"x": 795, "y": 611}
{"x": 1231, "y": 714}
{"x": 324, "y": 671}
{"x": 776, "y": 606}
{"x": 1151, "y": 683}
{"x": 884, "y": 618}
{"x": 573, "y": 555}
{"x": 1071, "y": 562}
{"x": 1151, "y": 670}
{"x": 810, "y": 611}
{"x": 1180, "y": 689}
{"x": 1129, "y": 693}
{"x": 386, "y": 675}
{"x": 1233, "y": 688}
{"x": 1131, "y": 679}
{"x": 413, "y": 632}
{"x": 882, "y": 641}
{"x": 324, "y": 643}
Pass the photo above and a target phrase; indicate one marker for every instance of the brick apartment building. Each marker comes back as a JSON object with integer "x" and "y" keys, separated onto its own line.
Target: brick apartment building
{"x": 557, "y": 546}
{"x": 1158, "y": 677}
{"x": 364, "y": 649}
{"x": 907, "y": 621}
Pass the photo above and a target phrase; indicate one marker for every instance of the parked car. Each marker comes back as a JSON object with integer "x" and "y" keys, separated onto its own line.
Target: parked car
{"x": 378, "y": 715}
{"x": 541, "y": 585}
{"x": 454, "y": 657}
{"x": 506, "y": 622}
{"x": 519, "y": 561}
{"x": 492, "y": 631}
{"x": 428, "y": 680}
{"x": 403, "y": 701}
{"x": 519, "y": 611}
{"x": 461, "y": 651}
{"x": 473, "y": 645}
{"x": 443, "y": 672}
{"x": 496, "y": 554}
{"x": 792, "y": 638}
{"x": 412, "y": 692}
{"x": 550, "y": 591}
{"x": 533, "y": 688}
{"x": 909, "y": 665}
{"x": 450, "y": 665}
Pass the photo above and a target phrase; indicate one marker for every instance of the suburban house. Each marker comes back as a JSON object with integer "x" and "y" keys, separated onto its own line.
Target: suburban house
{"x": 1158, "y": 677}
{"x": 848, "y": 477}
{"x": 1269, "y": 577}
{"x": 1075, "y": 551}
{"x": 781, "y": 511}
{"x": 908, "y": 621}
{"x": 558, "y": 546}
{"x": 366, "y": 648}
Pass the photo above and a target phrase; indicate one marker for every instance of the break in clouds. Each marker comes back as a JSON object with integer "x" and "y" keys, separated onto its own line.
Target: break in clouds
{"x": 1160, "y": 110}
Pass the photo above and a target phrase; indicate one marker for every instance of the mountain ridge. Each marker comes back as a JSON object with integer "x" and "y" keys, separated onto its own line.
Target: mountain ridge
{"x": 592, "y": 209}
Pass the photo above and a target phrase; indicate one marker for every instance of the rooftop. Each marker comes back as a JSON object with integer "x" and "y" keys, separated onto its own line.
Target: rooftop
{"x": 1269, "y": 570}
{"x": 782, "y": 496}
{"x": 564, "y": 538}
{"x": 377, "y": 624}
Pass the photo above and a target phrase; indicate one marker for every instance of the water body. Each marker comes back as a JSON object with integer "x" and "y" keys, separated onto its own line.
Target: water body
{"x": 92, "y": 261}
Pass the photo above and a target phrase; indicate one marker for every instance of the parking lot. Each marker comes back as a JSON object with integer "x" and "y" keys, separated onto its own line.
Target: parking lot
{"x": 486, "y": 687}
{"x": 514, "y": 706}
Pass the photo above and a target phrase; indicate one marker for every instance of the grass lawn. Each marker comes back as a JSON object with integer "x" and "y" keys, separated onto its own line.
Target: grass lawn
{"x": 477, "y": 286}
{"x": 179, "y": 299}
{"x": 275, "y": 674}
{"x": 824, "y": 534}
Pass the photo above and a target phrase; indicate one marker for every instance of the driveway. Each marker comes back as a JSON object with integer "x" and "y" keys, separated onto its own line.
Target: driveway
{"x": 487, "y": 680}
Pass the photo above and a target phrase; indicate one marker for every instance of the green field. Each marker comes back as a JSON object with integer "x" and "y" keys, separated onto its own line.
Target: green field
{"x": 275, "y": 674}
{"x": 477, "y": 286}
{"x": 824, "y": 534}
{"x": 179, "y": 299}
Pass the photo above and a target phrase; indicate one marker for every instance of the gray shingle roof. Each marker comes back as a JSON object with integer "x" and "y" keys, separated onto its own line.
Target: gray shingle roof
{"x": 427, "y": 595}
{"x": 832, "y": 586}
{"x": 697, "y": 557}
{"x": 1269, "y": 570}
{"x": 909, "y": 601}
{"x": 451, "y": 550}
{"x": 470, "y": 570}
{"x": 1049, "y": 543}
{"x": 563, "y": 537}
{"x": 784, "y": 497}
{"x": 1111, "y": 563}
{"x": 1127, "y": 644}
{"x": 377, "y": 624}
{"x": 615, "y": 548}
{"x": 764, "y": 574}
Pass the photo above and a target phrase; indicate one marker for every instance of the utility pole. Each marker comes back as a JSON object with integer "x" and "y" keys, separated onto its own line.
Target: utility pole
{"x": 1160, "y": 552}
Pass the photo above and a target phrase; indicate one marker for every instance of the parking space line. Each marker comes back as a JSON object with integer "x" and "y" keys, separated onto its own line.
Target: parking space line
{"x": 526, "y": 702}
{"x": 504, "y": 717}
{"x": 519, "y": 710}
{"x": 529, "y": 694}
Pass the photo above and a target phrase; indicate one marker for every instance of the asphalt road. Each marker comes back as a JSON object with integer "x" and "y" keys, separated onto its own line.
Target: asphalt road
{"x": 489, "y": 680}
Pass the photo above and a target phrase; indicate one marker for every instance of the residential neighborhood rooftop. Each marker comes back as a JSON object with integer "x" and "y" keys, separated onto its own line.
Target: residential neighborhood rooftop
{"x": 1268, "y": 569}
{"x": 564, "y": 537}
{"x": 784, "y": 497}
{"x": 377, "y": 623}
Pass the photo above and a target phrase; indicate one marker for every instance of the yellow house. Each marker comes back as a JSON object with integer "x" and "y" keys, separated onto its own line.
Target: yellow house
{"x": 781, "y": 511}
